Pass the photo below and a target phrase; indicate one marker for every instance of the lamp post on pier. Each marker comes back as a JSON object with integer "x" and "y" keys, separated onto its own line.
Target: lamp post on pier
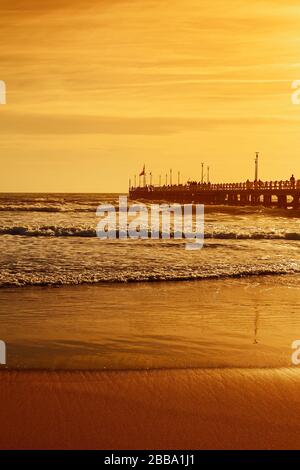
{"x": 256, "y": 166}
{"x": 202, "y": 173}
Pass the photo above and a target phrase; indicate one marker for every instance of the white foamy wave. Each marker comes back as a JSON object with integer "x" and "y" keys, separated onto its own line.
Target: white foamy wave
{"x": 90, "y": 232}
{"x": 47, "y": 208}
{"x": 48, "y": 231}
{"x": 70, "y": 279}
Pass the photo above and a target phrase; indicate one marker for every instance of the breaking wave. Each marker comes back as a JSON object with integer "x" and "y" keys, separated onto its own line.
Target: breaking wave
{"x": 89, "y": 232}
{"x": 49, "y": 209}
{"x": 70, "y": 279}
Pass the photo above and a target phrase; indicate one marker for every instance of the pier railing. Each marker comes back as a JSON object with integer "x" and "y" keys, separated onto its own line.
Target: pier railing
{"x": 248, "y": 185}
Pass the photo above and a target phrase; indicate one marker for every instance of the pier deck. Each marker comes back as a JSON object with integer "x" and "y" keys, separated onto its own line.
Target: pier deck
{"x": 281, "y": 194}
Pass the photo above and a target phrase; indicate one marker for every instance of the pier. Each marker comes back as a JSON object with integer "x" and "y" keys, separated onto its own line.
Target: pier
{"x": 280, "y": 194}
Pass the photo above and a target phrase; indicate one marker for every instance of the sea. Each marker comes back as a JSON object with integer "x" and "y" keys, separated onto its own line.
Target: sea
{"x": 69, "y": 300}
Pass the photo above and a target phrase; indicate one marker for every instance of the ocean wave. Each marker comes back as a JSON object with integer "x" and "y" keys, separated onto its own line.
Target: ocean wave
{"x": 69, "y": 279}
{"x": 48, "y": 231}
{"x": 89, "y": 232}
{"x": 50, "y": 209}
{"x": 74, "y": 205}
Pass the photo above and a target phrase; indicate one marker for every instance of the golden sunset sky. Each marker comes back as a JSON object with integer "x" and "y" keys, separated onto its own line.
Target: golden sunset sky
{"x": 97, "y": 88}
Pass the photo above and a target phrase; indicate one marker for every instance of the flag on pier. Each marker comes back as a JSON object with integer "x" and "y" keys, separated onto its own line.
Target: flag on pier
{"x": 143, "y": 172}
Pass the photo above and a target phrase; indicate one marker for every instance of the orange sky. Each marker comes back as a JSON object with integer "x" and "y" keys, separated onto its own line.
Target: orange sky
{"x": 96, "y": 88}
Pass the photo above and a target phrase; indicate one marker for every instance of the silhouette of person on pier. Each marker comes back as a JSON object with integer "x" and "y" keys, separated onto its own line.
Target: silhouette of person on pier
{"x": 292, "y": 181}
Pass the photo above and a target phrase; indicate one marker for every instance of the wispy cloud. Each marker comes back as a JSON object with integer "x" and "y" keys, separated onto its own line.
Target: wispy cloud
{"x": 41, "y": 124}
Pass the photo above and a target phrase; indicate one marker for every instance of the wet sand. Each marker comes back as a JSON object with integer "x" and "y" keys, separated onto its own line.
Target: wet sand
{"x": 233, "y": 323}
{"x": 222, "y": 353}
{"x": 163, "y": 409}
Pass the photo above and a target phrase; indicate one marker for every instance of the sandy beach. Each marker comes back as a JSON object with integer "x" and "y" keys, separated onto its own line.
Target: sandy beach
{"x": 144, "y": 391}
{"x": 163, "y": 409}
